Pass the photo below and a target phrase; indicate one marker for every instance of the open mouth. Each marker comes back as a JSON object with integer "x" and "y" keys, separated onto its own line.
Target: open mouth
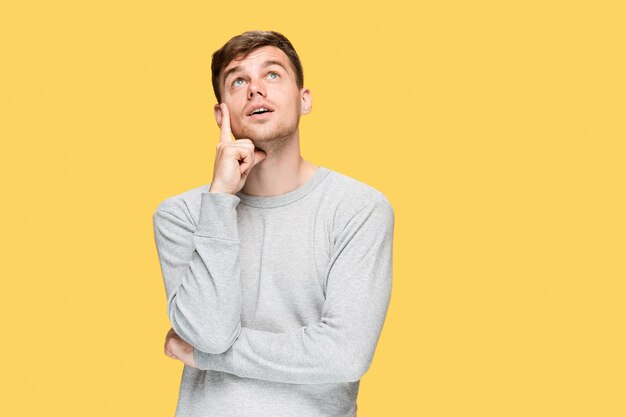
{"x": 260, "y": 110}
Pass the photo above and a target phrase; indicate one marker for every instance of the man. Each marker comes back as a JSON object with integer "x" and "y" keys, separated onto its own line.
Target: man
{"x": 278, "y": 272}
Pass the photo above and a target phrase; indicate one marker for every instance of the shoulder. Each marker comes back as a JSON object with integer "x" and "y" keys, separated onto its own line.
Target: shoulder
{"x": 351, "y": 196}
{"x": 185, "y": 205}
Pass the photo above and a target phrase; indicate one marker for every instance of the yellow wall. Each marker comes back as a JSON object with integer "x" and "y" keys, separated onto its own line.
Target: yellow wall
{"x": 496, "y": 129}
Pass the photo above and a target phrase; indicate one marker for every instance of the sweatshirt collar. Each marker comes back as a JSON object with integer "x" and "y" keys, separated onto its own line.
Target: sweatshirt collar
{"x": 286, "y": 198}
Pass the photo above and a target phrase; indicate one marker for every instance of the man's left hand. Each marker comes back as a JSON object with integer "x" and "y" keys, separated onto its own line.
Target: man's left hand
{"x": 177, "y": 348}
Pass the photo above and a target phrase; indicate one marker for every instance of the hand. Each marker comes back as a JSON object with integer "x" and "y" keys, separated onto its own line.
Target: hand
{"x": 177, "y": 348}
{"x": 233, "y": 159}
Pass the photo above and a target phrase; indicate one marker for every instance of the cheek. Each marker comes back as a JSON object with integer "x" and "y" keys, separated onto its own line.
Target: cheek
{"x": 289, "y": 99}
{"x": 235, "y": 109}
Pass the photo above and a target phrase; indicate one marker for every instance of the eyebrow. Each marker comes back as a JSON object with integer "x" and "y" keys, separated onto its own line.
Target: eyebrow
{"x": 272, "y": 62}
{"x": 266, "y": 64}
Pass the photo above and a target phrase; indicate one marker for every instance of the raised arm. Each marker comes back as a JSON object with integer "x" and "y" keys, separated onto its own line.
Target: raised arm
{"x": 340, "y": 347}
{"x": 201, "y": 272}
{"x": 204, "y": 293}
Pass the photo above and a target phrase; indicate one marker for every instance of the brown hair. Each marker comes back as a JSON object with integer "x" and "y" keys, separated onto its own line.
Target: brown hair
{"x": 242, "y": 45}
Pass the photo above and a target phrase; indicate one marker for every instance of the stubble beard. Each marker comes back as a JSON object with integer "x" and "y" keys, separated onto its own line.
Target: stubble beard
{"x": 272, "y": 141}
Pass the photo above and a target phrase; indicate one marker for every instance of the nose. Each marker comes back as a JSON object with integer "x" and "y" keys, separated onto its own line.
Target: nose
{"x": 255, "y": 88}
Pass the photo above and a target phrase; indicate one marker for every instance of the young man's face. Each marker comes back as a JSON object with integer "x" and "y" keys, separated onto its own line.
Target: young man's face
{"x": 263, "y": 79}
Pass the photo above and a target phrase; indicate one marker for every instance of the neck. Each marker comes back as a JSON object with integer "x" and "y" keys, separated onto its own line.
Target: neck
{"x": 282, "y": 171}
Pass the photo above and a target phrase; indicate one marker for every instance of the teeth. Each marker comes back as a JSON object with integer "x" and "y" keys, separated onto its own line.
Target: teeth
{"x": 258, "y": 110}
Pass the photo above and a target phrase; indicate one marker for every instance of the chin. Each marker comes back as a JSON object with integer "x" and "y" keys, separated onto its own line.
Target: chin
{"x": 260, "y": 136}
{"x": 271, "y": 142}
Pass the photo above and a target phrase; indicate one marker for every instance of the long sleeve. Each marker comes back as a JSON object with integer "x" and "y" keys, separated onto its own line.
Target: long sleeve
{"x": 340, "y": 347}
{"x": 201, "y": 272}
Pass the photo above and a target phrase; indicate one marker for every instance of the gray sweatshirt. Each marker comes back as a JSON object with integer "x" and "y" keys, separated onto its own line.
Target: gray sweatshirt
{"x": 282, "y": 297}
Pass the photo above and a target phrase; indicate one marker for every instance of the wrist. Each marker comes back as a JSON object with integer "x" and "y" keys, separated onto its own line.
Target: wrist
{"x": 218, "y": 190}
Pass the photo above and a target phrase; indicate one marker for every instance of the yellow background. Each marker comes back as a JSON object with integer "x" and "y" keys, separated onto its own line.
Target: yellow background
{"x": 495, "y": 128}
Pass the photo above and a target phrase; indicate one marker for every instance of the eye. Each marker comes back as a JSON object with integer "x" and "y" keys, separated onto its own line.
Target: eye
{"x": 238, "y": 82}
{"x": 273, "y": 75}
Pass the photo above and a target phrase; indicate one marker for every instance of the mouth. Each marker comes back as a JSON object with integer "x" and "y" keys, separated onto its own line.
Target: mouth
{"x": 256, "y": 112}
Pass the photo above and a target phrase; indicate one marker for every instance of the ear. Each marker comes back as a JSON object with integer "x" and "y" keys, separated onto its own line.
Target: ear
{"x": 217, "y": 112}
{"x": 306, "y": 101}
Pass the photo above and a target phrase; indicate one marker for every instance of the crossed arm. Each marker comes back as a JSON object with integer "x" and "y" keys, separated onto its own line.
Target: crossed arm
{"x": 200, "y": 269}
{"x": 337, "y": 348}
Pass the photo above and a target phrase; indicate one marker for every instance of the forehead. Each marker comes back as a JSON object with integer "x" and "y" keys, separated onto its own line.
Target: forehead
{"x": 259, "y": 56}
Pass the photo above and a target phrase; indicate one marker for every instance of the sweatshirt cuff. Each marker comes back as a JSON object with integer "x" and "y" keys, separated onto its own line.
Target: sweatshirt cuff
{"x": 202, "y": 362}
{"x": 222, "y": 362}
{"x": 218, "y": 216}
